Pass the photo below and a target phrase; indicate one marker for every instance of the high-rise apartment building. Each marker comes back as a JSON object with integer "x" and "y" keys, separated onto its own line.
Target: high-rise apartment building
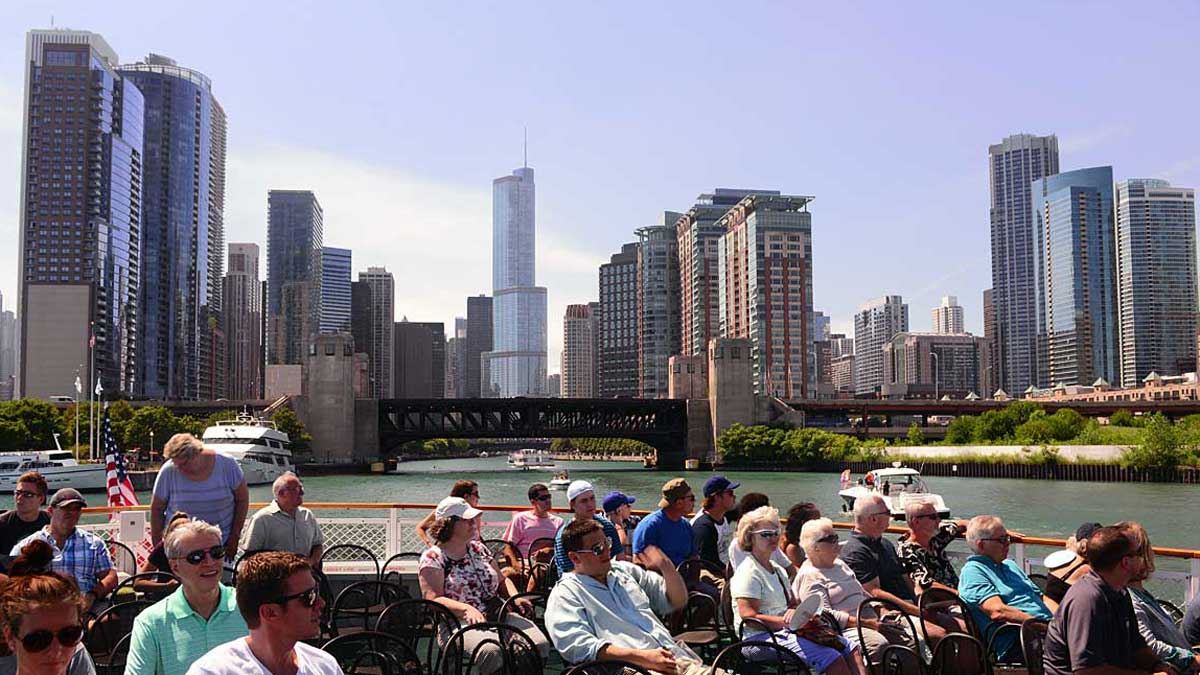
{"x": 842, "y": 375}
{"x": 875, "y": 324}
{"x": 455, "y": 364}
{"x": 840, "y": 345}
{"x": 658, "y": 305}
{"x": 241, "y": 309}
{"x": 8, "y": 352}
{"x": 1072, "y": 214}
{"x": 579, "y": 353}
{"x": 420, "y": 360}
{"x": 517, "y": 362}
{"x": 616, "y": 357}
{"x": 1156, "y": 278}
{"x": 335, "y": 290}
{"x": 991, "y": 383}
{"x": 380, "y": 342}
{"x": 698, "y": 237}
{"x": 821, "y": 326}
{"x": 479, "y": 342}
{"x": 1013, "y": 165}
{"x": 932, "y": 365}
{"x": 765, "y": 266}
{"x": 182, "y": 231}
{"x": 948, "y": 316}
{"x": 360, "y": 325}
{"x": 80, "y": 217}
{"x": 295, "y": 231}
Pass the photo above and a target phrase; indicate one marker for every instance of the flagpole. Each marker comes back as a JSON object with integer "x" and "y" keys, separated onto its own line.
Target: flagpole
{"x": 91, "y": 390}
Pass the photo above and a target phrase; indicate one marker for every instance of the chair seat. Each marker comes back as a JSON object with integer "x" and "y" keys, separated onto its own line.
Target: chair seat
{"x": 697, "y": 637}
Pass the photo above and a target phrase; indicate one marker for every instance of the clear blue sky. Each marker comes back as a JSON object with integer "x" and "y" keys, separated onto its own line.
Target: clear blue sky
{"x": 399, "y": 116}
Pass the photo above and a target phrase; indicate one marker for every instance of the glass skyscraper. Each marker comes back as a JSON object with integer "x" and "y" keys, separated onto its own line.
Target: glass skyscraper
{"x": 183, "y": 231}
{"x": 335, "y": 290}
{"x": 516, "y": 366}
{"x": 295, "y": 229}
{"x": 658, "y": 308}
{"x": 1072, "y": 214}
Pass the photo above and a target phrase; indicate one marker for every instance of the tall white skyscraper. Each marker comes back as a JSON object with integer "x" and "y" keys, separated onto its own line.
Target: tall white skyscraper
{"x": 948, "y": 316}
{"x": 516, "y": 366}
{"x": 875, "y": 324}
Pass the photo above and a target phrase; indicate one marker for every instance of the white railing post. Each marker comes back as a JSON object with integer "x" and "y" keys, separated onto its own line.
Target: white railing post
{"x": 1019, "y": 556}
{"x": 393, "y": 532}
{"x": 1193, "y": 585}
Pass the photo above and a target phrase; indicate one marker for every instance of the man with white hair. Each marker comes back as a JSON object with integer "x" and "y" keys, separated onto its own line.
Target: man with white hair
{"x": 286, "y": 525}
{"x": 995, "y": 588}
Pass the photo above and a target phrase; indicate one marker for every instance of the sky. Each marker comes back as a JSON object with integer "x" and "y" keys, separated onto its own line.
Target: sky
{"x": 399, "y": 115}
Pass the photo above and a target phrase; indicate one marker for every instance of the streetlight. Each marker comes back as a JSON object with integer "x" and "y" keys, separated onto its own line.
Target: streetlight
{"x": 936, "y": 368}
{"x": 151, "y": 445}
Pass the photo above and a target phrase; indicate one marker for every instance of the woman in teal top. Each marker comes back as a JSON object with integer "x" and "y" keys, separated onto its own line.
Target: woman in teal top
{"x": 176, "y": 631}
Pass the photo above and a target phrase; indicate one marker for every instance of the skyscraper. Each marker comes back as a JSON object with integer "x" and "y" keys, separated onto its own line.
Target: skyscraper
{"x": 821, "y": 326}
{"x": 931, "y": 365}
{"x": 698, "y": 238}
{"x": 616, "y": 357}
{"x": 876, "y": 323}
{"x": 360, "y": 324}
{"x": 1072, "y": 214}
{"x": 455, "y": 365}
{"x": 81, "y": 208}
{"x": 1013, "y": 165}
{"x": 657, "y": 305}
{"x": 295, "y": 231}
{"x": 479, "y": 342}
{"x": 419, "y": 360}
{"x": 242, "y": 313}
{"x": 990, "y": 381}
{"x": 1156, "y": 278}
{"x": 948, "y": 316}
{"x": 380, "y": 345}
{"x": 765, "y": 264}
{"x": 182, "y": 231}
{"x": 517, "y": 362}
{"x": 8, "y": 351}
{"x": 578, "y": 354}
{"x": 335, "y": 290}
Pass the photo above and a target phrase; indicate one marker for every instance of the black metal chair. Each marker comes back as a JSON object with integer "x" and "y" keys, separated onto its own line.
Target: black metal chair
{"x": 959, "y": 654}
{"x": 898, "y": 660}
{"x": 1033, "y": 633}
{"x": 696, "y": 624}
{"x": 538, "y": 551}
{"x": 518, "y": 654}
{"x": 375, "y": 653}
{"x": 115, "y": 622}
{"x": 606, "y": 668}
{"x": 942, "y": 600}
{"x": 128, "y": 590}
{"x": 393, "y": 575}
{"x": 505, "y": 554}
{"x": 237, "y": 565}
{"x": 327, "y": 597}
{"x": 358, "y": 606}
{"x": 1013, "y": 653}
{"x": 895, "y": 659}
{"x": 351, "y": 553}
{"x": 543, "y": 576}
{"x": 113, "y": 663}
{"x": 423, "y": 624}
{"x": 122, "y": 557}
{"x": 1173, "y": 610}
{"x": 1039, "y": 580}
{"x": 758, "y": 657}
{"x": 535, "y": 613}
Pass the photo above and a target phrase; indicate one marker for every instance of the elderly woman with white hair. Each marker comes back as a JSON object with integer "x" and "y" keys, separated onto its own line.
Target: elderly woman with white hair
{"x": 762, "y": 599}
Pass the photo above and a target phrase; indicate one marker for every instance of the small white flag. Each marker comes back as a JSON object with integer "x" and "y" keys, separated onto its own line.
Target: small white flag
{"x": 99, "y": 388}
{"x": 78, "y": 385}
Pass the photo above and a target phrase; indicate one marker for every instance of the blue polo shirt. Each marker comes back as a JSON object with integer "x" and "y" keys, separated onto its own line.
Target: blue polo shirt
{"x": 674, "y": 537}
{"x": 982, "y": 578}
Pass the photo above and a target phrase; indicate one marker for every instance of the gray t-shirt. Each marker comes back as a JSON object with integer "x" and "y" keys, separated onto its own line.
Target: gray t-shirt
{"x": 209, "y": 500}
{"x": 1094, "y": 626}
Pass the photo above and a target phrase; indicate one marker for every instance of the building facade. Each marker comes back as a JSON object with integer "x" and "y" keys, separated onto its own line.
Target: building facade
{"x": 578, "y": 366}
{"x": 932, "y": 365}
{"x": 875, "y": 324}
{"x": 455, "y": 364}
{"x": 295, "y": 231}
{"x": 658, "y": 308}
{"x": 990, "y": 382}
{"x": 242, "y": 313}
{"x": 821, "y": 326}
{"x": 842, "y": 376}
{"x": 420, "y": 360}
{"x": 479, "y": 342}
{"x": 1156, "y": 278}
{"x": 378, "y": 327}
{"x": 80, "y": 217}
{"x": 335, "y": 290}
{"x": 765, "y": 275}
{"x": 8, "y": 352}
{"x": 616, "y": 360}
{"x": 1013, "y": 165}
{"x": 948, "y": 316}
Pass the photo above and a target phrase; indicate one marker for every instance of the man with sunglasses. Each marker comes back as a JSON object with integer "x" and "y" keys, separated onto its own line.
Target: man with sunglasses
{"x": 994, "y": 587}
{"x": 281, "y": 604}
{"x": 286, "y": 525}
{"x": 923, "y": 550}
{"x": 78, "y": 553}
{"x": 26, "y": 516}
{"x": 537, "y": 523}
{"x": 667, "y": 529}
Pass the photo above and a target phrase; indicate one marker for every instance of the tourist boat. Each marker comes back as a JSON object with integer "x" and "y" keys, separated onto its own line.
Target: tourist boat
{"x": 897, "y": 485}
{"x": 560, "y": 482}
{"x": 259, "y": 448}
{"x": 531, "y": 458}
{"x": 59, "y": 467}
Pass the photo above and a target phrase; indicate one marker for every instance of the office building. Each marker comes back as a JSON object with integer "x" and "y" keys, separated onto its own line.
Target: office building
{"x": 698, "y": 236}
{"x": 554, "y": 385}
{"x": 932, "y": 366}
{"x": 948, "y": 316}
{"x": 360, "y": 325}
{"x": 295, "y": 231}
{"x": 335, "y": 290}
{"x": 8, "y": 351}
{"x": 455, "y": 363}
{"x": 840, "y": 345}
{"x": 80, "y": 217}
{"x": 242, "y": 313}
{"x": 1072, "y": 214}
{"x": 821, "y": 326}
{"x": 379, "y": 344}
{"x": 1156, "y": 279}
{"x": 579, "y": 353}
{"x": 616, "y": 364}
{"x": 842, "y": 376}
{"x": 658, "y": 305}
{"x": 1013, "y": 165}
{"x": 517, "y": 363}
{"x": 420, "y": 360}
{"x": 765, "y": 274}
{"x": 875, "y": 324}
{"x": 479, "y": 342}
{"x": 991, "y": 382}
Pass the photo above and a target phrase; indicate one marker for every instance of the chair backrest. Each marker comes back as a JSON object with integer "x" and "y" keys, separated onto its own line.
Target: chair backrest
{"x": 758, "y": 657}
{"x": 359, "y": 605}
{"x": 328, "y": 597}
{"x": 541, "y": 550}
{"x": 114, "y": 662}
{"x": 900, "y": 662}
{"x": 123, "y": 558}
{"x": 940, "y": 599}
{"x": 518, "y": 653}
{"x": 246, "y": 555}
{"x": 1033, "y": 634}
{"x": 111, "y": 625}
{"x": 388, "y": 571}
{"x": 351, "y": 553}
{"x": 896, "y": 659}
{"x": 959, "y": 654}
{"x": 423, "y": 624}
{"x": 606, "y": 668}
{"x": 504, "y": 553}
{"x": 1039, "y": 580}
{"x": 543, "y": 576}
{"x": 699, "y": 613}
{"x": 536, "y": 612}
{"x": 376, "y": 653}
{"x": 128, "y": 589}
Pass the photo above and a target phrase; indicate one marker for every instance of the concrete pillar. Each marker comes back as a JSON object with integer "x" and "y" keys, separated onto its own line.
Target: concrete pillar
{"x": 730, "y": 384}
{"x": 329, "y": 386}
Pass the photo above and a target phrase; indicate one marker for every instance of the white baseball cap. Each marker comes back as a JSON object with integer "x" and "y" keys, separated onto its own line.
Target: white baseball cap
{"x": 456, "y": 506}
{"x": 578, "y": 487}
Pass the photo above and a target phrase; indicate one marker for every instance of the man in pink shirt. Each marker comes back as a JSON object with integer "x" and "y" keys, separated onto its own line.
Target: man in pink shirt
{"x": 528, "y": 526}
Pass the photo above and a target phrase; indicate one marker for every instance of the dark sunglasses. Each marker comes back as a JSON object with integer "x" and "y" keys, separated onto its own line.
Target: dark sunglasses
{"x": 598, "y": 549}
{"x": 542, "y": 498}
{"x": 39, "y": 640}
{"x": 25, "y": 493}
{"x": 307, "y": 598}
{"x": 927, "y": 516}
{"x": 196, "y": 557}
{"x": 828, "y": 539}
{"x": 1000, "y": 540}
{"x": 767, "y": 534}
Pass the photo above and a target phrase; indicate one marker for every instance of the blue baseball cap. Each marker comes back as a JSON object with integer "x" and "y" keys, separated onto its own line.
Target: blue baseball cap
{"x": 615, "y": 500}
{"x": 719, "y": 484}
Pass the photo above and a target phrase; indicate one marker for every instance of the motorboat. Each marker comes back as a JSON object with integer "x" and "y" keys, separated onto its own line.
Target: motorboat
{"x": 560, "y": 481}
{"x": 531, "y": 458}
{"x": 262, "y": 450}
{"x": 898, "y": 485}
{"x": 59, "y": 467}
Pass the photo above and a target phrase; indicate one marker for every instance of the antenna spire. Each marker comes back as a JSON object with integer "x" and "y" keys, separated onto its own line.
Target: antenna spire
{"x": 526, "y": 148}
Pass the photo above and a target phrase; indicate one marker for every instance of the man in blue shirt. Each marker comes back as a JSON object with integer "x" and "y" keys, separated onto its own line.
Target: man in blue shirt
{"x": 582, "y": 498}
{"x": 994, "y": 587}
{"x": 667, "y": 529}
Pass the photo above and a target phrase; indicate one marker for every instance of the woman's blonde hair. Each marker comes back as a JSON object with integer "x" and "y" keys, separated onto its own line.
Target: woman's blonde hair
{"x": 182, "y": 446}
{"x": 751, "y": 522}
{"x": 1141, "y": 541}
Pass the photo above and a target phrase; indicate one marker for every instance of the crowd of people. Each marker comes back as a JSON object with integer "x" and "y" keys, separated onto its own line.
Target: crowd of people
{"x": 794, "y": 584}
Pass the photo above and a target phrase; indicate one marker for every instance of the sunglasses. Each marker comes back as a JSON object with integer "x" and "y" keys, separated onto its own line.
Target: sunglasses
{"x": 597, "y": 549}
{"x": 307, "y": 598}
{"x": 927, "y": 516}
{"x": 39, "y": 640}
{"x": 542, "y": 498}
{"x": 196, "y": 557}
{"x": 767, "y": 534}
{"x": 1002, "y": 540}
{"x": 25, "y": 493}
{"x": 828, "y": 539}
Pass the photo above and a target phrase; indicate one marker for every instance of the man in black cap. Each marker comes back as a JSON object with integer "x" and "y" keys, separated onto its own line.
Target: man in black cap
{"x": 80, "y": 554}
{"x": 711, "y": 528}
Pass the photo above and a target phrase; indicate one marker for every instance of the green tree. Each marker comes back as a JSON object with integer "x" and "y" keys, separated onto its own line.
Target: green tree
{"x": 1122, "y": 418}
{"x": 1165, "y": 445}
{"x": 29, "y": 424}
{"x": 285, "y": 420}
{"x": 157, "y": 419}
{"x": 915, "y": 436}
{"x": 961, "y": 430}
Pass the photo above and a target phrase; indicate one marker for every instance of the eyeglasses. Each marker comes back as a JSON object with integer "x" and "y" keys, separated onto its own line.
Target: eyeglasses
{"x": 877, "y": 514}
{"x": 39, "y": 640}
{"x": 597, "y": 549}
{"x": 927, "y": 516}
{"x": 1002, "y": 540}
{"x": 542, "y": 498}
{"x": 688, "y": 498}
{"x": 307, "y": 598}
{"x": 196, "y": 557}
{"x": 298, "y": 489}
{"x": 767, "y": 534}
{"x": 831, "y": 538}
{"x": 25, "y": 493}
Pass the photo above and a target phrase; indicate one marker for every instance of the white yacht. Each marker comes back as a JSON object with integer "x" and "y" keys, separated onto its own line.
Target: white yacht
{"x": 897, "y": 485}
{"x": 259, "y": 448}
{"x": 531, "y": 458}
{"x": 59, "y": 468}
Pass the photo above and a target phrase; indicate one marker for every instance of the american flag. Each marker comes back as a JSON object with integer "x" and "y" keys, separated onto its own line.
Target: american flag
{"x": 120, "y": 488}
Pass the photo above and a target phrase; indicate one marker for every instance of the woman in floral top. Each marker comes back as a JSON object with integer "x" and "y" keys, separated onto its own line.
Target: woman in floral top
{"x": 458, "y": 572}
{"x": 923, "y": 551}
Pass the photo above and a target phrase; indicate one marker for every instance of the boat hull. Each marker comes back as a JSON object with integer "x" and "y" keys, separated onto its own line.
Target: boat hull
{"x": 84, "y": 477}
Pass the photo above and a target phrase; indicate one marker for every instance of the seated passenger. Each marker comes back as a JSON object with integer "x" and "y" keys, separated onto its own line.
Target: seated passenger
{"x": 41, "y": 617}
{"x": 761, "y": 595}
{"x": 667, "y": 529}
{"x": 711, "y": 527}
{"x": 77, "y": 552}
{"x": 463, "y": 489}
{"x": 994, "y": 587}
{"x": 618, "y": 509}
{"x": 1157, "y": 627}
{"x": 751, "y": 501}
{"x": 286, "y": 524}
{"x": 923, "y": 550}
{"x": 536, "y": 523}
{"x": 789, "y": 543}
{"x": 582, "y": 498}
{"x": 1059, "y": 579}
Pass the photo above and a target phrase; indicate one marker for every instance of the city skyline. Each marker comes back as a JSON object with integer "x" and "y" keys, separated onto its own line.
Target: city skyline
{"x": 946, "y": 196}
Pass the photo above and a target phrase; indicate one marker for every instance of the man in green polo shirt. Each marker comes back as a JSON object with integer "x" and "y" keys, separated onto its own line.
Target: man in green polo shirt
{"x": 176, "y": 631}
{"x": 285, "y": 525}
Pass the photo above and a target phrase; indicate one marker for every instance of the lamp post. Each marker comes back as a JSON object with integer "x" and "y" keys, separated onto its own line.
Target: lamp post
{"x": 151, "y": 444}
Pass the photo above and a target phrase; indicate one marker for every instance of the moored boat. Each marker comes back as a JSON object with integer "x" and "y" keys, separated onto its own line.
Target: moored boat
{"x": 897, "y": 485}
{"x": 59, "y": 468}
{"x": 531, "y": 458}
{"x": 262, "y": 450}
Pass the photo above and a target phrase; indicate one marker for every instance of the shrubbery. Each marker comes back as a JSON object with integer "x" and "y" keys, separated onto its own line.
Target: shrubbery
{"x": 777, "y": 445}
{"x": 627, "y": 447}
